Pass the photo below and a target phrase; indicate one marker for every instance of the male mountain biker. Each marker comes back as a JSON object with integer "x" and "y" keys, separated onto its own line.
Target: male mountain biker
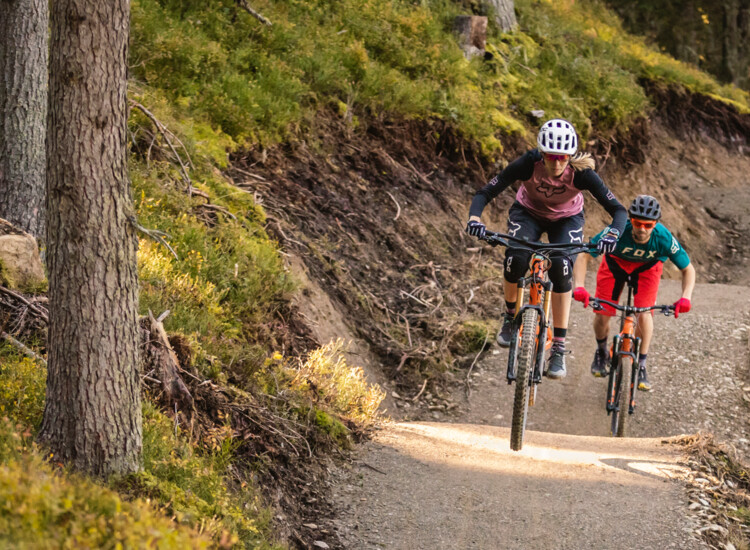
{"x": 639, "y": 255}
{"x": 549, "y": 200}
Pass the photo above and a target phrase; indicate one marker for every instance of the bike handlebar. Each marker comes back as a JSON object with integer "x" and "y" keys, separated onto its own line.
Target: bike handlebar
{"x": 495, "y": 239}
{"x": 596, "y": 305}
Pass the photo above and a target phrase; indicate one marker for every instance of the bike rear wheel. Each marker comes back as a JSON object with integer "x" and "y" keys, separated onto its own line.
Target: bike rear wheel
{"x": 524, "y": 373}
{"x": 622, "y": 397}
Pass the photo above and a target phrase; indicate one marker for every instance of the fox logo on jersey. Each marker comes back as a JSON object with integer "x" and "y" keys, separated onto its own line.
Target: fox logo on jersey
{"x": 549, "y": 190}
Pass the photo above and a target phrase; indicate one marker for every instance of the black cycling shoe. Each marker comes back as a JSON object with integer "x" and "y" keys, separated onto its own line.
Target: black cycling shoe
{"x": 503, "y": 337}
{"x": 643, "y": 383}
{"x": 556, "y": 365}
{"x": 599, "y": 364}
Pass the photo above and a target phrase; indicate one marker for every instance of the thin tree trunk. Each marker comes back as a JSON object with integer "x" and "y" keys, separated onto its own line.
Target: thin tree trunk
{"x": 23, "y": 112}
{"x": 92, "y": 417}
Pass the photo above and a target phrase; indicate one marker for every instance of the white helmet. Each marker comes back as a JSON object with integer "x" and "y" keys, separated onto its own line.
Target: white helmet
{"x": 558, "y": 136}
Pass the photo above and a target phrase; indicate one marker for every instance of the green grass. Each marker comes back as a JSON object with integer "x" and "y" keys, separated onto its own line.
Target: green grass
{"x": 183, "y": 488}
{"x": 228, "y": 280}
{"x": 258, "y": 85}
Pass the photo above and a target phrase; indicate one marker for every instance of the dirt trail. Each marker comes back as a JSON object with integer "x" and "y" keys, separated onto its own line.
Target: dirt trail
{"x": 456, "y": 484}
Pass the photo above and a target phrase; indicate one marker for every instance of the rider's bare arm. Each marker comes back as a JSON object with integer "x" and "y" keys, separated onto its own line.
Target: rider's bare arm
{"x": 688, "y": 281}
{"x": 579, "y": 270}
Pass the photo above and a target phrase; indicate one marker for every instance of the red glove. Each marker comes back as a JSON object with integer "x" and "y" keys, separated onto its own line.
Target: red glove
{"x": 681, "y": 306}
{"x": 582, "y": 295}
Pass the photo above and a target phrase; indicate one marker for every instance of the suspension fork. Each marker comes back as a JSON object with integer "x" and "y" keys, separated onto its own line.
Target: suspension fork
{"x": 634, "y": 375}
{"x": 511, "y": 374}
{"x": 543, "y": 329}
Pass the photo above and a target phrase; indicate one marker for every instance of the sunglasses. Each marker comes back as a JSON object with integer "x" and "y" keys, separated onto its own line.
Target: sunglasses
{"x": 556, "y": 158}
{"x": 643, "y": 224}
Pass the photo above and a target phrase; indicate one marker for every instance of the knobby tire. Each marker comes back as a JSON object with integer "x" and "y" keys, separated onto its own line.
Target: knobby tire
{"x": 622, "y": 397}
{"x": 524, "y": 372}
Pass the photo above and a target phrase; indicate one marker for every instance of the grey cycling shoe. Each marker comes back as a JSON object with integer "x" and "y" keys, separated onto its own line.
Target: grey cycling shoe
{"x": 556, "y": 365}
{"x": 506, "y": 331}
{"x": 599, "y": 364}
{"x": 643, "y": 383}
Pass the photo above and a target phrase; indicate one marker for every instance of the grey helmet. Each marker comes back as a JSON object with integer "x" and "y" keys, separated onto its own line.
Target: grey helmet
{"x": 557, "y": 136}
{"x": 645, "y": 207}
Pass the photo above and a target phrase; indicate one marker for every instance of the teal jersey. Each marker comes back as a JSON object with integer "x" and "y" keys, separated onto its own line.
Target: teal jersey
{"x": 661, "y": 246}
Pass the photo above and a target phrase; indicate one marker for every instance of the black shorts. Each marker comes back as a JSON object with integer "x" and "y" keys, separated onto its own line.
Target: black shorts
{"x": 523, "y": 225}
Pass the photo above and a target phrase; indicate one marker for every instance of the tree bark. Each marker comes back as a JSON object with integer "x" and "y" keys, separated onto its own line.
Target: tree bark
{"x": 92, "y": 416}
{"x": 23, "y": 112}
{"x": 505, "y": 14}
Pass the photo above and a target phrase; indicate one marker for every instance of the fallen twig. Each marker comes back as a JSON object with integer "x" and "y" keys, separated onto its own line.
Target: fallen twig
{"x": 26, "y": 350}
{"x": 398, "y": 208}
{"x": 164, "y": 131}
{"x": 373, "y": 468}
{"x": 154, "y": 234}
{"x": 417, "y": 173}
{"x": 21, "y": 298}
{"x": 415, "y": 298}
{"x": 424, "y": 385}
{"x": 244, "y": 5}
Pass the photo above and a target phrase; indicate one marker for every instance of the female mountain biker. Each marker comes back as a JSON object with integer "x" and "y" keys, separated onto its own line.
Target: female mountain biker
{"x": 639, "y": 255}
{"x": 549, "y": 200}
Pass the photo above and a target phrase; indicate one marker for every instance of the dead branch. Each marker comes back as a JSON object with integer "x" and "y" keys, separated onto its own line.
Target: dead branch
{"x": 398, "y": 208}
{"x": 245, "y": 6}
{"x": 160, "y": 356}
{"x": 424, "y": 385}
{"x": 164, "y": 131}
{"x": 26, "y": 350}
{"x": 155, "y": 234}
{"x": 404, "y": 293}
{"x": 373, "y": 468}
{"x": 42, "y": 313}
{"x": 417, "y": 173}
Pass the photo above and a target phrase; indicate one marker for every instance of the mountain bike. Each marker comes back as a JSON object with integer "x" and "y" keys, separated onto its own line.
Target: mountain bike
{"x": 624, "y": 360}
{"x": 532, "y": 325}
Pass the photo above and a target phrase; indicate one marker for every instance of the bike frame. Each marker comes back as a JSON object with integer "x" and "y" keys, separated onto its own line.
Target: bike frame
{"x": 528, "y": 343}
{"x": 624, "y": 344}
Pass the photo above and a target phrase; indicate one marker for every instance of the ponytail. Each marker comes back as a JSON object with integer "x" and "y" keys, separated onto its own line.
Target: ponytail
{"x": 582, "y": 161}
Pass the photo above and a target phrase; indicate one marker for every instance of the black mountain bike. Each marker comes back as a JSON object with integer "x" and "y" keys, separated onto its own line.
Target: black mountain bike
{"x": 532, "y": 332}
{"x": 623, "y": 364}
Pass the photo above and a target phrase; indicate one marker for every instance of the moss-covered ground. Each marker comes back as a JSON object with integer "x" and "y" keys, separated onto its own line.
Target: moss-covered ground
{"x": 221, "y": 83}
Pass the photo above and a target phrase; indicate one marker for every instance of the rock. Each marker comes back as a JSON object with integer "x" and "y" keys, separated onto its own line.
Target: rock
{"x": 20, "y": 265}
{"x": 320, "y": 544}
{"x": 310, "y": 525}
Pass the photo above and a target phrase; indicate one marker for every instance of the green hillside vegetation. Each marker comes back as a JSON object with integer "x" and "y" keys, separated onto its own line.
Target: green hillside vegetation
{"x": 220, "y": 82}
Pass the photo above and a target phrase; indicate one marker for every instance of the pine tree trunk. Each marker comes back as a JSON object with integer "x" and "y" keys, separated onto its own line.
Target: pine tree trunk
{"x": 92, "y": 417}
{"x": 23, "y": 112}
{"x": 505, "y": 14}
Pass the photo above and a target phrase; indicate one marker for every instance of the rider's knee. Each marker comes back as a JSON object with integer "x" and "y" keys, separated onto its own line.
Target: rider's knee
{"x": 561, "y": 274}
{"x": 515, "y": 265}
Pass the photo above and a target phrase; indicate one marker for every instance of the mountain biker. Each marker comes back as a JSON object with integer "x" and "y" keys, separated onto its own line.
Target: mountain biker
{"x": 549, "y": 200}
{"x": 639, "y": 255}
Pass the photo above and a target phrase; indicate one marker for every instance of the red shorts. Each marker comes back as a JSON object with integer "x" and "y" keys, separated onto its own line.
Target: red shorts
{"x": 648, "y": 285}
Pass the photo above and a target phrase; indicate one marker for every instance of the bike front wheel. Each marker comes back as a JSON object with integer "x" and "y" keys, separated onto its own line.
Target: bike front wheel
{"x": 622, "y": 396}
{"x": 524, "y": 374}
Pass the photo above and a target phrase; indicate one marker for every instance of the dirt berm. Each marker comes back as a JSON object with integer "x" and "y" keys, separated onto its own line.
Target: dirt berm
{"x": 373, "y": 222}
